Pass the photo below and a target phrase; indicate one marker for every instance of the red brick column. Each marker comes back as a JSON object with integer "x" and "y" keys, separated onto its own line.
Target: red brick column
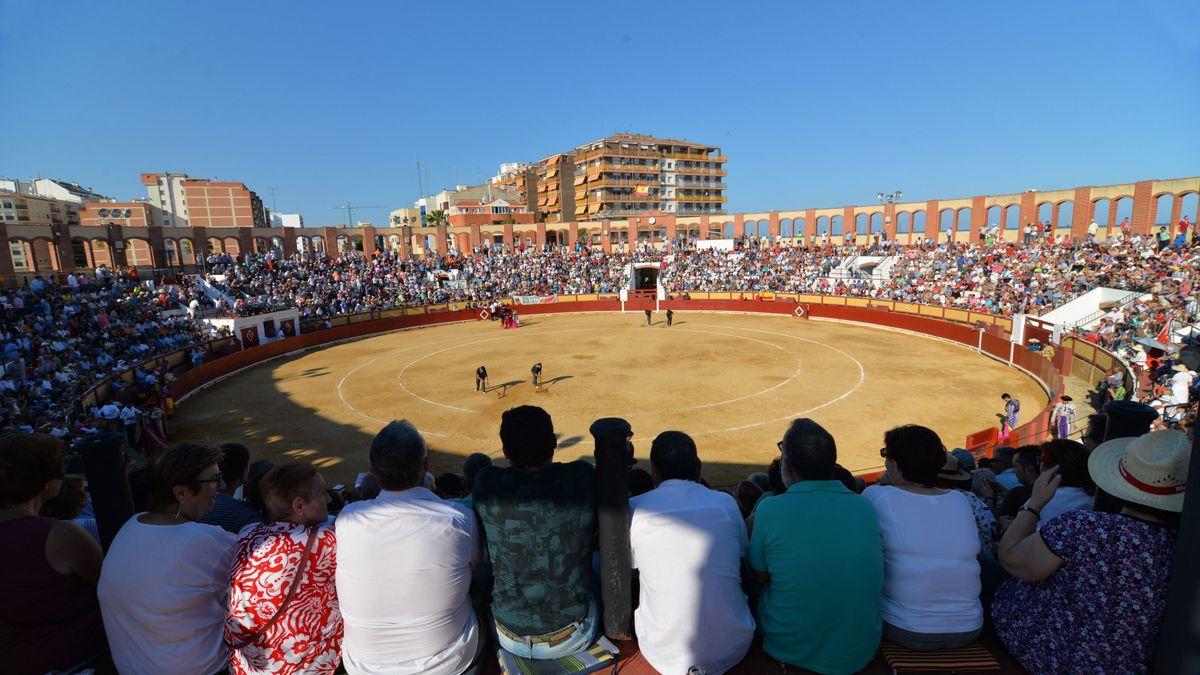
{"x": 329, "y": 234}
{"x": 289, "y": 242}
{"x": 1144, "y": 207}
{"x": 739, "y": 225}
{"x": 605, "y": 239}
{"x": 773, "y": 225}
{"x": 158, "y": 248}
{"x": 508, "y": 237}
{"x": 8, "y": 274}
{"x": 810, "y": 225}
{"x": 1029, "y": 212}
{"x": 704, "y": 222}
{"x": 572, "y": 234}
{"x": 1112, "y": 216}
{"x": 541, "y": 235}
{"x": 848, "y": 224}
{"x": 1176, "y": 212}
{"x": 672, "y": 229}
{"x": 933, "y": 221}
{"x": 978, "y": 217}
{"x": 406, "y": 234}
{"x": 245, "y": 239}
{"x": 368, "y": 236}
{"x": 889, "y": 221}
{"x": 1080, "y": 217}
{"x": 439, "y": 241}
{"x": 117, "y": 249}
{"x": 475, "y": 239}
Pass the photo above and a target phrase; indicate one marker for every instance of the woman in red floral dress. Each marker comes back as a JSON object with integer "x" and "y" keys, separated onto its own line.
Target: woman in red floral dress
{"x": 307, "y": 635}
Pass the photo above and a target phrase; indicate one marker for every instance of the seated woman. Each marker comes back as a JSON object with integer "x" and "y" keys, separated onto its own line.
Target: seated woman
{"x": 1091, "y": 586}
{"x": 1076, "y": 489}
{"x": 49, "y": 616}
{"x": 163, "y": 585}
{"x": 272, "y": 628}
{"x": 930, "y": 544}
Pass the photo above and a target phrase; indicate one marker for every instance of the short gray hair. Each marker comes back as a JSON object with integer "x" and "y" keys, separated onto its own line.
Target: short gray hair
{"x": 398, "y": 455}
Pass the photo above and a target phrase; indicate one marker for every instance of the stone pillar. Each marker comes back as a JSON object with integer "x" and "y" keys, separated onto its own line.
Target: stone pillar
{"x": 810, "y": 225}
{"x": 1144, "y": 207}
{"x": 439, "y": 240}
{"x": 848, "y": 222}
{"x": 475, "y": 238}
{"x": 933, "y": 221}
{"x": 1112, "y": 217}
{"x": 739, "y": 226}
{"x": 8, "y": 274}
{"x": 572, "y": 234}
{"x": 704, "y": 222}
{"x": 773, "y": 225}
{"x": 540, "y": 237}
{"x": 673, "y": 230}
{"x": 1176, "y": 213}
{"x": 508, "y": 237}
{"x": 289, "y": 241}
{"x": 329, "y": 235}
{"x": 978, "y": 217}
{"x": 1081, "y": 215}
{"x": 245, "y": 239}
{"x": 605, "y": 238}
{"x": 889, "y": 221}
{"x": 1029, "y": 213}
{"x": 158, "y": 248}
{"x": 406, "y": 235}
{"x": 368, "y": 236}
{"x": 117, "y": 250}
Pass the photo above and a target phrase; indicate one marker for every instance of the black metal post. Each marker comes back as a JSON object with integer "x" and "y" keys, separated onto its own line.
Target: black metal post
{"x": 613, "y": 456}
{"x": 104, "y": 465}
{"x": 1179, "y": 634}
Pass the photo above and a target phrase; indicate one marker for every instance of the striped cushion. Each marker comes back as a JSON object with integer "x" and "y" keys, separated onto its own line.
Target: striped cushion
{"x": 970, "y": 659}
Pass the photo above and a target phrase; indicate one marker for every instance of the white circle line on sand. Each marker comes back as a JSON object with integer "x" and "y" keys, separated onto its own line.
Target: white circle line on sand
{"x": 400, "y": 375}
{"x": 342, "y": 396}
{"x": 470, "y": 343}
{"x": 862, "y": 376}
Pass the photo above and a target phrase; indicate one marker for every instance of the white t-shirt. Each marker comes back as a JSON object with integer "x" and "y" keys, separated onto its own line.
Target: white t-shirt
{"x": 162, "y": 594}
{"x": 930, "y": 571}
{"x": 1065, "y": 499}
{"x": 688, "y": 542}
{"x": 404, "y": 564}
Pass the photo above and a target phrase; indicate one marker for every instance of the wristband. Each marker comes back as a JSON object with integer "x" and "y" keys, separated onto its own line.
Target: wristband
{"x": 1036, "y": 514}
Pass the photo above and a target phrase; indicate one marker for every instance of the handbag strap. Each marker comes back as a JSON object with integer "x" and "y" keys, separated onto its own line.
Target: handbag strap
{"x": 287, "y": 599}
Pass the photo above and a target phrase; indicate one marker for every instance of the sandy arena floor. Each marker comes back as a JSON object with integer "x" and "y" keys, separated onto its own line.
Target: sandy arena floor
{"x": 731, "y": 381}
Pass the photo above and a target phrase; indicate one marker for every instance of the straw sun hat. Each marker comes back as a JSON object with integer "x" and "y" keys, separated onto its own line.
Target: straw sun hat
{"x": 1150, "y": 470}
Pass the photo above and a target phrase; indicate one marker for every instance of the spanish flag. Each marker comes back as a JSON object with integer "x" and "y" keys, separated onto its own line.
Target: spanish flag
{"x": 642, "y": 189}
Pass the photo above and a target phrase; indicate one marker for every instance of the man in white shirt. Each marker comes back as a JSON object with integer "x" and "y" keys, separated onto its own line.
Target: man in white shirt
{"x": 688, "y": 543}
{"x": 404, "y": 569}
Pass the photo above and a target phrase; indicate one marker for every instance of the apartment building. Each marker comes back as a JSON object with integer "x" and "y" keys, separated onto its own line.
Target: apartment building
{"x": 125, "y": 214}
{"x": 555, "y": 189}
{"x": 52, "y": 188}
{"x": 201, "y": 202}
{"x": 632, "y": 174}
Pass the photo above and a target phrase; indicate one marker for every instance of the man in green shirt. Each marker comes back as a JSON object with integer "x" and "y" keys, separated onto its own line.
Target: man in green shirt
{"x": 818, "y": 550}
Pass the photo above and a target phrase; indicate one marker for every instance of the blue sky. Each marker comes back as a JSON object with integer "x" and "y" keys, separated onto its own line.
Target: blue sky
{"x": 815, "y": 104}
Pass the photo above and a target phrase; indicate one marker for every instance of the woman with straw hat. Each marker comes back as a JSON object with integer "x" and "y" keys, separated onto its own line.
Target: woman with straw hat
{"x": 1091, "y": 586}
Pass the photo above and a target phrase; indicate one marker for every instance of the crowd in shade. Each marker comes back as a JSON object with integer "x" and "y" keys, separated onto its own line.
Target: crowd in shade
{"x": 1064, "y": 549}
{"x": 60, "y": 340}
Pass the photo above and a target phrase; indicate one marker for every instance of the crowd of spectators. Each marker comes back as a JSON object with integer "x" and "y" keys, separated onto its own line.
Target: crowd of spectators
{"x": 1064, "y": 548}
{"x": 60, "y": 340}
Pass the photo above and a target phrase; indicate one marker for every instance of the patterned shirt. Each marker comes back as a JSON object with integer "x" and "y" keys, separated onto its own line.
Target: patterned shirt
{"x": 538, "y": 525}
{"x": 308, "y": 638}
{"x": 1101, "y": 610}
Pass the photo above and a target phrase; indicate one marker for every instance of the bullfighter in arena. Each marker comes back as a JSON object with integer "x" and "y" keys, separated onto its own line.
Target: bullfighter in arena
{"x": 1012, "y": 414}
{"x": 648, "y": 314}
{"x": 670, "y": 316}
{"x": 481, "y": 379}
{"x": 536, "y": 371}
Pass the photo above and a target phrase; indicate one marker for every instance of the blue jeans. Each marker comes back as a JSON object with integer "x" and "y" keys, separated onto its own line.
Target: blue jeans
{"x": 582, "y": 636}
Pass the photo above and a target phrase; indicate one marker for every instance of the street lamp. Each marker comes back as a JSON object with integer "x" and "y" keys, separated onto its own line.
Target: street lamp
{"x": 885, "y": 199}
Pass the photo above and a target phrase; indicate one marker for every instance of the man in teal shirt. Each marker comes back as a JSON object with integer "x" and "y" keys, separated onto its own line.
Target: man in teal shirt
{"x": 818, "y": 550}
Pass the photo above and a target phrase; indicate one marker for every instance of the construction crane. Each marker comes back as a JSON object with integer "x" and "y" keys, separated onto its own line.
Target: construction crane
{"x": 351, "y": 208}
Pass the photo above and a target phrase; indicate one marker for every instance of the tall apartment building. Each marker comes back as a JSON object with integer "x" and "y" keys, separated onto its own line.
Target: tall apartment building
{"x": 556, "y": 194}
{"x": 52, "y": 188}
{"x": 631, "y": 174}
{"x": 201, "y": 202}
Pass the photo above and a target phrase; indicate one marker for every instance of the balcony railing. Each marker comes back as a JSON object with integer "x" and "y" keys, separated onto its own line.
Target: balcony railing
{"x": 701, "y": 198}
{"x": 701, "y": 172}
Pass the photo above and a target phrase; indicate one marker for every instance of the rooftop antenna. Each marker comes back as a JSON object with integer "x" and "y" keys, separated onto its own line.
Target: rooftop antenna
{"x": 273, "y": 191}
{"x": 351, "y": 208}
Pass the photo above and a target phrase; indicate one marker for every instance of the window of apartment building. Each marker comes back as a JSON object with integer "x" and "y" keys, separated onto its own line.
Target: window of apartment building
{"x": 16, "y": 251}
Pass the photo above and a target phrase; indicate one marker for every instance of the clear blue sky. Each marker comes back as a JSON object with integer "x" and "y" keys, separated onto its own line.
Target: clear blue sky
{"x": 816, "y": 104}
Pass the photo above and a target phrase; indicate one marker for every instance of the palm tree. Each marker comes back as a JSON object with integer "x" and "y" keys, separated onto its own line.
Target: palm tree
{"x": 435, "y": 218}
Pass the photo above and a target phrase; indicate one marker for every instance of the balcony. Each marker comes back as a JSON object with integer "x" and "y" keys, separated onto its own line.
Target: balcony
{"x": 631, "y": 198}
{"x": 688, "y": 185}
{"x": 701, "y": 172}
{"x": 701, "y": 198}
{"x": 696, "y": 157}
